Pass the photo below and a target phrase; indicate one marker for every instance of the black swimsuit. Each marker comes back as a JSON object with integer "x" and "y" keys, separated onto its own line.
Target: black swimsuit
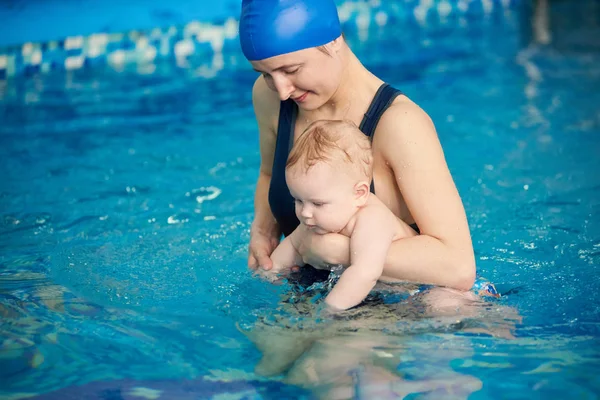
{"x": 280, "y": 199}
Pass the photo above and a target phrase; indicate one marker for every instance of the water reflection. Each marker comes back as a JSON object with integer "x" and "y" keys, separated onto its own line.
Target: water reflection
{"x": 385, "y": 350}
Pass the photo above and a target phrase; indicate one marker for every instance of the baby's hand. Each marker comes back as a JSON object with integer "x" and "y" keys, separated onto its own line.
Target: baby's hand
{"x": 269, "y": 276}
{"x": 326, "y": 312}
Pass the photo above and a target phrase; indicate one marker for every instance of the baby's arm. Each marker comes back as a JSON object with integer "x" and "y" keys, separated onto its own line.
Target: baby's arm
{"x": 285, "y": 256}
{"x": 369, "y": 243}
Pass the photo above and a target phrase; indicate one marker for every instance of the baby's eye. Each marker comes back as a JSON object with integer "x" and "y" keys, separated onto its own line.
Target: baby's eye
{"x": 292, "y": 71}
{"x": 318, "y": 204}
{"x": 296, "y": 201}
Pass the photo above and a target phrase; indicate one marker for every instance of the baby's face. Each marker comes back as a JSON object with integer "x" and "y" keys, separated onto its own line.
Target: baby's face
{"x": 324, "y": 198}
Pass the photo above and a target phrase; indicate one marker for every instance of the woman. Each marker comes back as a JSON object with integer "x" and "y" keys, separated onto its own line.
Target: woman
{"x": 310, "y": 73}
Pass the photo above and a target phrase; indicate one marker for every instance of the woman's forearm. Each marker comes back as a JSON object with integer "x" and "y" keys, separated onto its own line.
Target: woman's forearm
{"x": 264, "y": 221}
{"x": 264, "y": 232}
{"x": 424, "y": 259}
{"x": 419, "y": 259}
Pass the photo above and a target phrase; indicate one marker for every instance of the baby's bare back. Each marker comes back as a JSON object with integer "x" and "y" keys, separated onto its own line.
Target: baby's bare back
{"x": 400, "y": 228}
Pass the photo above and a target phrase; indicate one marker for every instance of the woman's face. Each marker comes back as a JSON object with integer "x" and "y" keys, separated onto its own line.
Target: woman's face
{"x": 309, "y": 77}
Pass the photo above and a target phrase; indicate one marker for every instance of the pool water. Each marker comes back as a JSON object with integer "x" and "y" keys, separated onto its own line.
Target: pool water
{"x": 127, "y": 196}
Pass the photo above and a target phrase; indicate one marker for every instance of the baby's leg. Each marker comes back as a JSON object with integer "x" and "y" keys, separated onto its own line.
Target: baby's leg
{"x": 441, "y": 301}
{"x": 350, "y": 367}
{"x": 279, "y": 345}
{"x": 366, "y": 381}
{"x": 495, "y": 320}
{"x": 335, "y": 368}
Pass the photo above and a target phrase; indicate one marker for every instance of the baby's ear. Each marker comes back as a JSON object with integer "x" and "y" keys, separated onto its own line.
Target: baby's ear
{"x": 361, "y": 191}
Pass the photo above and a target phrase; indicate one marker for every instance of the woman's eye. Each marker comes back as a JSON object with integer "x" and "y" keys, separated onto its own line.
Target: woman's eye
{"x": 293, "y": 71}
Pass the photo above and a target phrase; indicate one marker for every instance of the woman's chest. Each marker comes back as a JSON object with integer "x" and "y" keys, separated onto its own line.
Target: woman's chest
{"x": 387, "y": 188}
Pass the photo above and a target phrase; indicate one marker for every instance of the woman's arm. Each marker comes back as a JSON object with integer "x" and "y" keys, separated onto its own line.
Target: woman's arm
{"x": 443, "y": 253}
{"x": 265, "y": 232}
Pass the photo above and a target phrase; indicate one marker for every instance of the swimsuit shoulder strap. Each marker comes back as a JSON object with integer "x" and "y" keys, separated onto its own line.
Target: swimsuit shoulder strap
{"x": 382, "y": 100}
{"x": 288, "y": 112}
{"x": 280, "y": 199}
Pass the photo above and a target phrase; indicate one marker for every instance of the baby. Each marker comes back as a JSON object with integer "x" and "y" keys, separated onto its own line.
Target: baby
{"x": 329, "y": 172}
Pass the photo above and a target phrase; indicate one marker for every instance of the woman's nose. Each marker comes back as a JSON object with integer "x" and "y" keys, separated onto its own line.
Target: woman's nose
{"x": 283, "y": 86}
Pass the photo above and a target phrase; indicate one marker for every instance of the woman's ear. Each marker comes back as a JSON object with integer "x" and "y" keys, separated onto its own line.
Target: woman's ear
{"x": 361, "y": 192}
{"x": 336, "y": 44}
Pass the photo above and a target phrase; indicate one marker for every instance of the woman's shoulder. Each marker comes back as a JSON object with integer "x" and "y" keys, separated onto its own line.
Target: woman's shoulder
{"x": 265, "y": 100}
{"x": 404, "y": 117}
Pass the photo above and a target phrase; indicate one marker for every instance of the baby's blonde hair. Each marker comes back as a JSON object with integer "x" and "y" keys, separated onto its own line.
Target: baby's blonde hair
{"x": 338, "y": 143}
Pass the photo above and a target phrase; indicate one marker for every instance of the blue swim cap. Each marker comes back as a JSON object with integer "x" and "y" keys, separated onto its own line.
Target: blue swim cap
{"x": 270, "y": 28}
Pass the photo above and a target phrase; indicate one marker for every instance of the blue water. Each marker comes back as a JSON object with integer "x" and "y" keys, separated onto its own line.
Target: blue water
{"x": 126, "y": 200}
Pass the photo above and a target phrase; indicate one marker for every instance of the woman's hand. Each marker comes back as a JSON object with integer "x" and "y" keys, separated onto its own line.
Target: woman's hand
{"x": 323, "y": 250}
{"x": 261, "y": 247}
